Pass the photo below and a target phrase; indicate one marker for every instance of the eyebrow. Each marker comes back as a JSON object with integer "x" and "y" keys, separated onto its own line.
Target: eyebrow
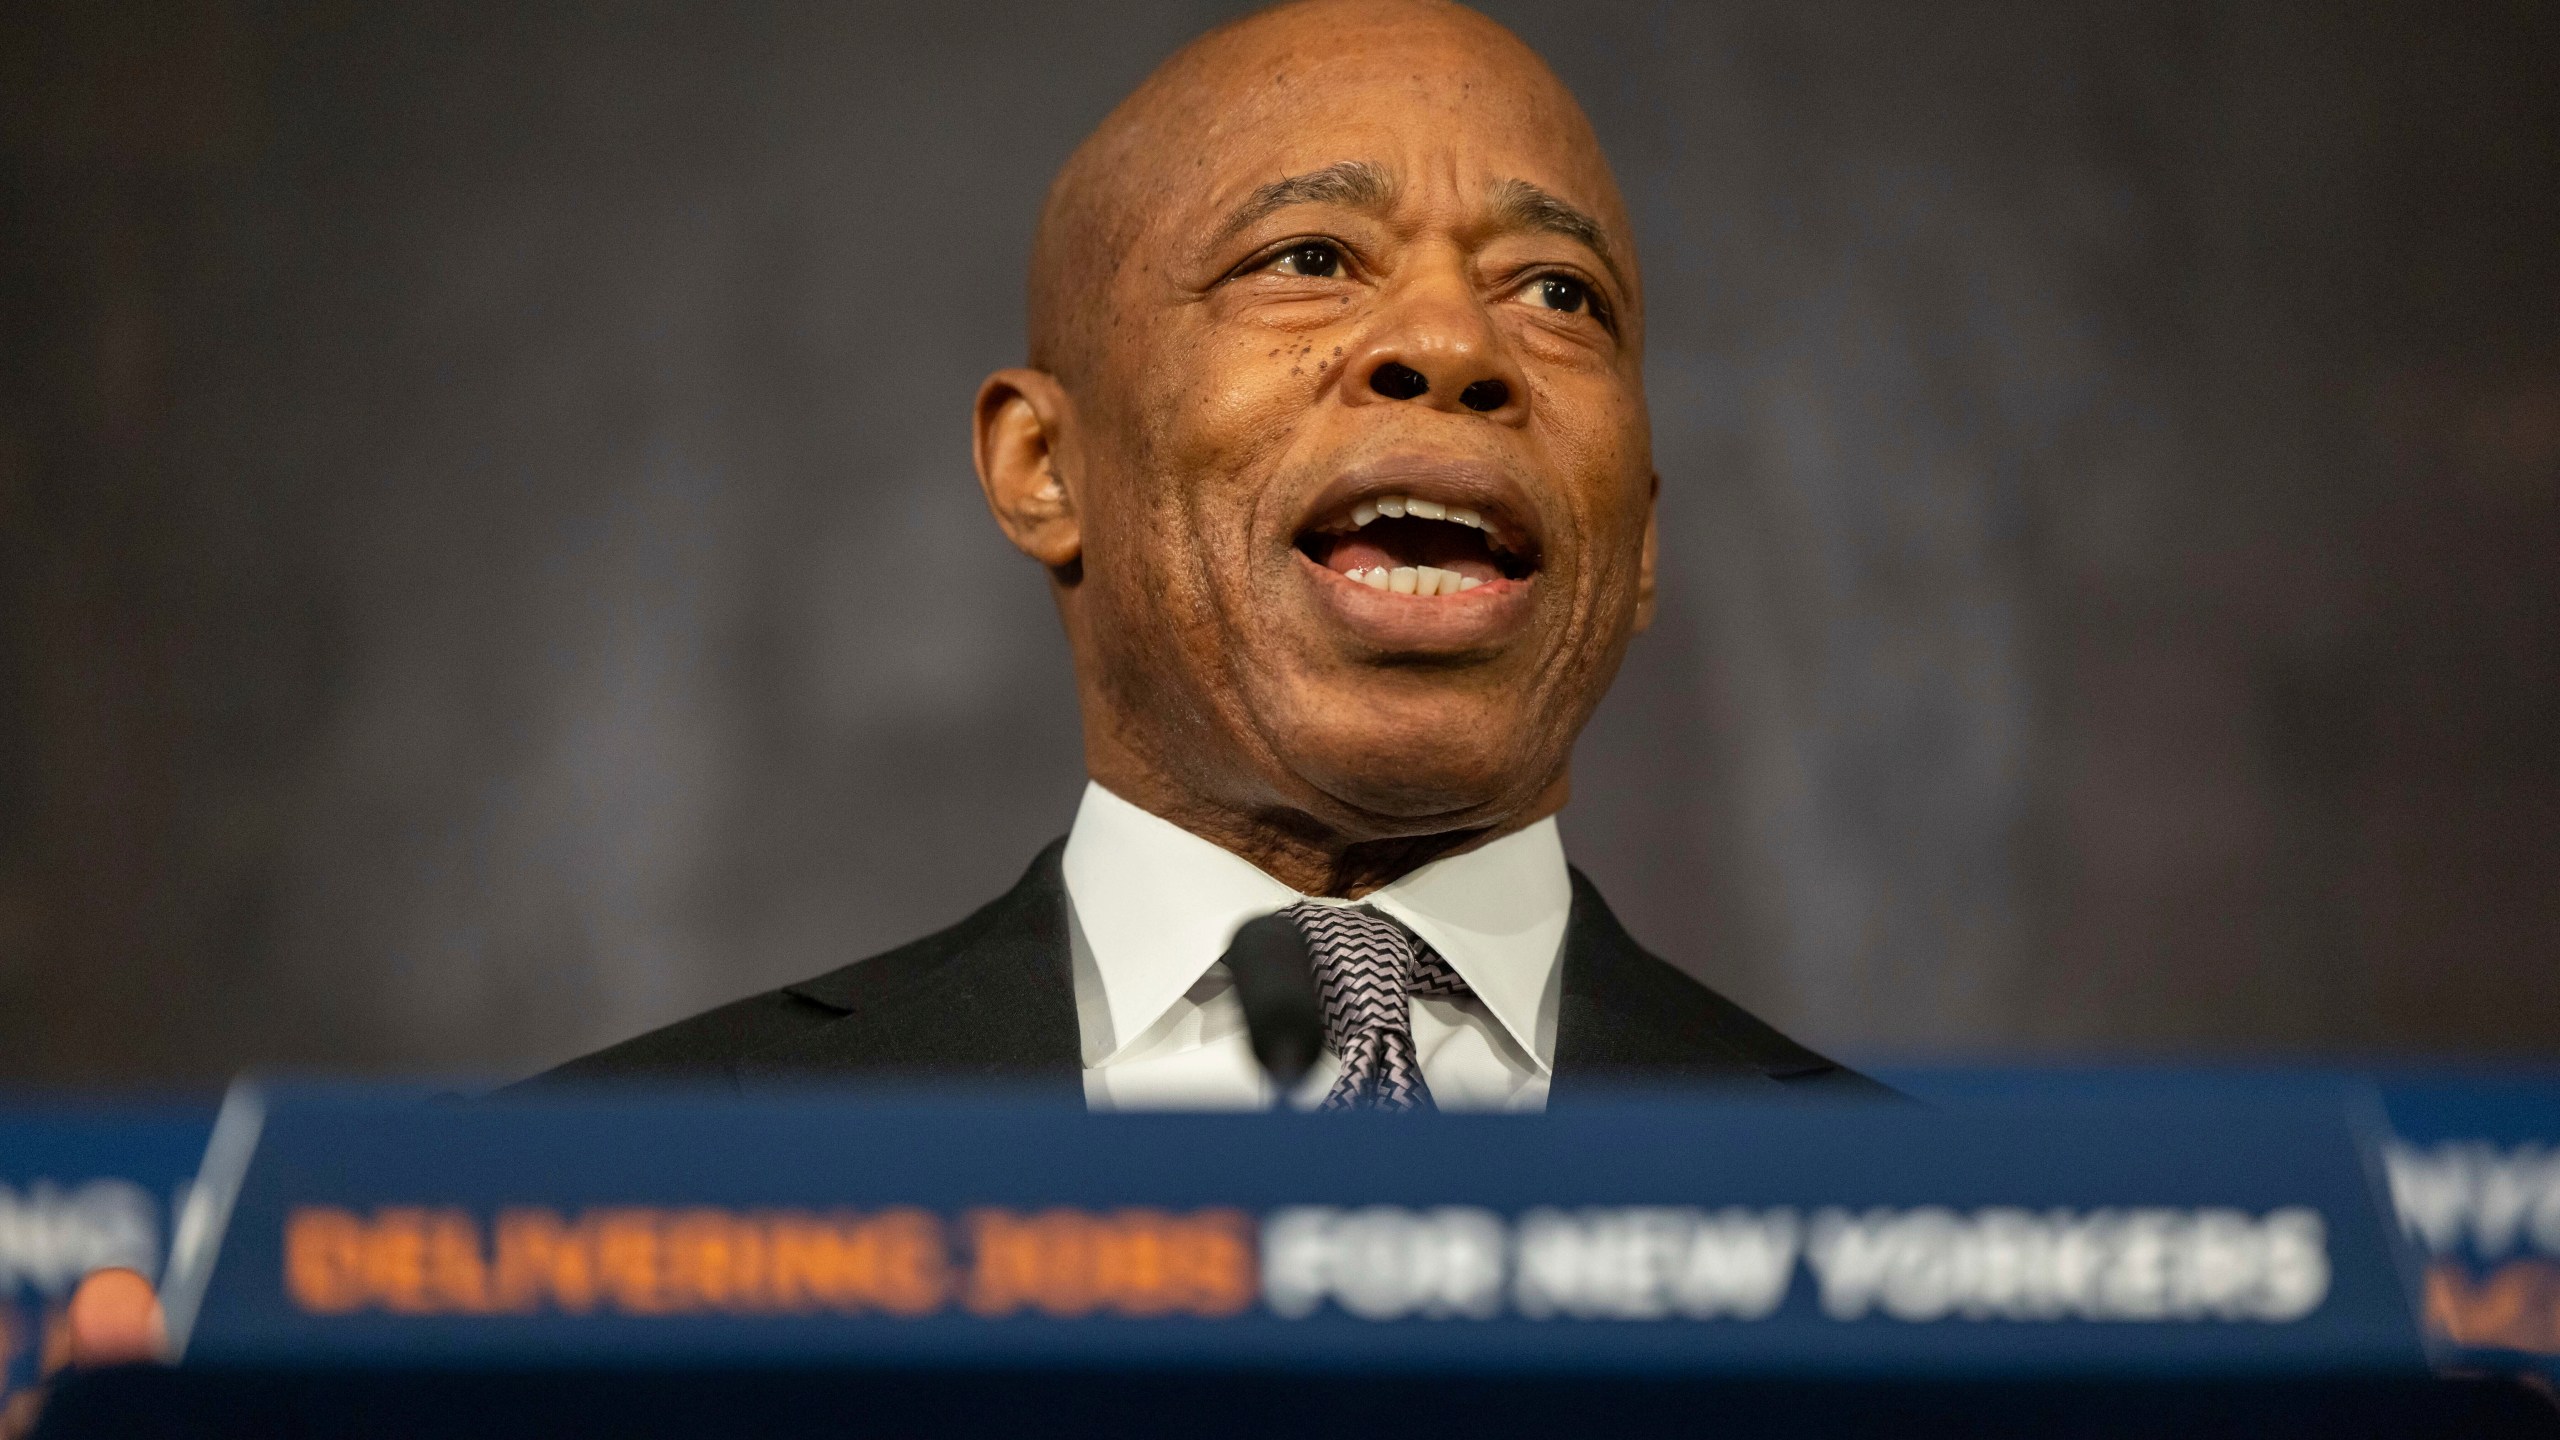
{"x": 1523, "y": 206}
{"x": 1358, "y": 183}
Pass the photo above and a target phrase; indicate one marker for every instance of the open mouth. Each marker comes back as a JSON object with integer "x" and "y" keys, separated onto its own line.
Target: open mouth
{"x": 1408, "y": 545}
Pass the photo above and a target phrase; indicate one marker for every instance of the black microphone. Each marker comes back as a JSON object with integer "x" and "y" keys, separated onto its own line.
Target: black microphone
{"x": 1276, "y": 983}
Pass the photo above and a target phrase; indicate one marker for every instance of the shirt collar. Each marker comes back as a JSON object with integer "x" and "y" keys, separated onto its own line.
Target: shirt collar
{"x": 1156, "y": 906}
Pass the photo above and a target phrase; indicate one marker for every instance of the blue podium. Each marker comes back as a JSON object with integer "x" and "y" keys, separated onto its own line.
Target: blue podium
{"x": 2215, "y": 1256}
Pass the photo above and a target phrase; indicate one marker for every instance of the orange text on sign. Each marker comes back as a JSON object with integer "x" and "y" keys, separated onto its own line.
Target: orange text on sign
{"x": 2514, "y": 1307}
{"x": 1128, "y": 1262}
{"x": 635, "y": 1260}
{"x": 645, "y": 1260}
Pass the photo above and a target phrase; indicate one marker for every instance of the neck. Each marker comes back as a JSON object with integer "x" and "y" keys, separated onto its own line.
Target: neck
{"x": 1293, "y": 846}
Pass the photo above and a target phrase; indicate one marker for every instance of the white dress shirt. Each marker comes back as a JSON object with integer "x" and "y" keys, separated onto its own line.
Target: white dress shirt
{"x": 1152, "y": 906}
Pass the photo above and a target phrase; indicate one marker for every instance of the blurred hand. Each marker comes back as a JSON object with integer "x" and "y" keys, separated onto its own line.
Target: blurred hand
{"x": 114, "y": 1319}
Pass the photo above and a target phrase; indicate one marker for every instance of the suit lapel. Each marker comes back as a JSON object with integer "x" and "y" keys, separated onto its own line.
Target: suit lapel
{"x": 992, "y": 998}
{"x": 1625, "y": 1016}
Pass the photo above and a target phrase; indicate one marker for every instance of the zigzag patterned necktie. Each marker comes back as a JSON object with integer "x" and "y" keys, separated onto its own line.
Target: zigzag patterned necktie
{"x": 1366, "y": 966}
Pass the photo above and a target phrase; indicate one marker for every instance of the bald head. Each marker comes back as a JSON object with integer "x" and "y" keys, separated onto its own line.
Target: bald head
{"x": 1259, "y": 75}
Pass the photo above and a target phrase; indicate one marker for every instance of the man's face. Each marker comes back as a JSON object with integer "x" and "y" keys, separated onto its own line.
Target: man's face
{"x": 1362, "y": 476}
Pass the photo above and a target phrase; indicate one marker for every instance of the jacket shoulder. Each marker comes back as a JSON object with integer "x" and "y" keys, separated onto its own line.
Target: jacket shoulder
{"x": 1629, "y": 1015}
{"x": 696, "y": 1048}
{"x": 710, "y": 1046}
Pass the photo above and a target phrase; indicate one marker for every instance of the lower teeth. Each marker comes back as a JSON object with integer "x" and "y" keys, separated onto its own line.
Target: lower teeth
{"x": 1414, "y": 580}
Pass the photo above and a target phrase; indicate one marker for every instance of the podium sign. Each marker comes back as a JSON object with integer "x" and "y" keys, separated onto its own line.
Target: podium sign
{"x": 2235, "y": 1234}
{"x": 2474, "y": 1164}
{"x": 81, "y": 1188}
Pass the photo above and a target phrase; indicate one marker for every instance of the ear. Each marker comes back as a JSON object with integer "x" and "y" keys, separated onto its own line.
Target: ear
{"x": 1644, "y": 567}
{"x": 1020, "y": 421}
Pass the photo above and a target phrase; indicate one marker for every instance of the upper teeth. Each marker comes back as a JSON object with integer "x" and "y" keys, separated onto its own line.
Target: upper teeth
{"x": 1396, "y": 507}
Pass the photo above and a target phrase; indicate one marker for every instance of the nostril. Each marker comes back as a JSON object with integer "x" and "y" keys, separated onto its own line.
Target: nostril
{"x": 1399, "y": 382}
{"x": 1485, "y": 395}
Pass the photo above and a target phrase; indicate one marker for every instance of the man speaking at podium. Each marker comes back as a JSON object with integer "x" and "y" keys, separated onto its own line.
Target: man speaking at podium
{"x": 1334, "y": 446}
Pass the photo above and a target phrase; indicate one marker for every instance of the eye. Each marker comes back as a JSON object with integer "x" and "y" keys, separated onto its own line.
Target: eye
{"x": 1314, "y": 259}
{"x": 1559, "y": 292}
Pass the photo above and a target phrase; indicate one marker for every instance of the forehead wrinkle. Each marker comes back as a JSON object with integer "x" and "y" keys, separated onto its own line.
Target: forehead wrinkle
{"x": 1362, "y": 184}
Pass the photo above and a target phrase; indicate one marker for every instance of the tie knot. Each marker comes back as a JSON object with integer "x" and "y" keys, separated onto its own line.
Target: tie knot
{"x": 1366, "y": 967}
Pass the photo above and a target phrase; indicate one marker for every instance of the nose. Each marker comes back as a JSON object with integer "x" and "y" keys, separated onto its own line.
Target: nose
{"x": 1437, "y": 346}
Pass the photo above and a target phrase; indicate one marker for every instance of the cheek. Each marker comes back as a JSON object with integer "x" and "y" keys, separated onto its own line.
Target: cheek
{"x": 1225, "y": 416}
{"x": 1596, "y": 436}
{"x": 1241, "y": 386}
{"x": 1204, "y": 427}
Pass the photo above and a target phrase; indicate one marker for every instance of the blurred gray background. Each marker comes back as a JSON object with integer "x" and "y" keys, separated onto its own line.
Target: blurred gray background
{"x": 489, "y": 561}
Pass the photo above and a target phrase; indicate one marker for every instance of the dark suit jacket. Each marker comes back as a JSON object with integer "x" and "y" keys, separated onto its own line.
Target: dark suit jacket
{"x": 992, "y": 998}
